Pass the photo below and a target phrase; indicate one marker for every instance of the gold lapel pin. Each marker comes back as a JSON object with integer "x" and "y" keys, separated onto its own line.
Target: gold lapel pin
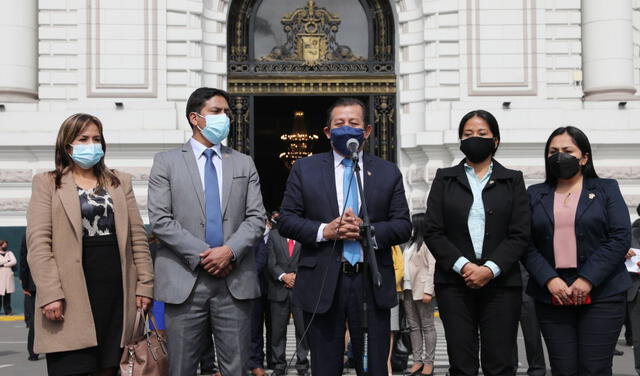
{"x": 369, "y": 173}
{"x": 592, "y": 196}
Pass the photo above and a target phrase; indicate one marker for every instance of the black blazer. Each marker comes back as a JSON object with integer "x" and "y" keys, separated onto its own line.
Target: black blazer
{"x": 280, "y": 262}
{"x": 507, "y": 223}
{"x": 25, "y": 273}
{"x": 635, "y": 278}
{"x": 603, "y": 236}
{"x": 310, "y": 199}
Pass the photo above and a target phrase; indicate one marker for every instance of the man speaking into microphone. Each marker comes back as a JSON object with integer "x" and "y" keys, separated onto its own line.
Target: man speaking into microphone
{"x": 321, "y": 210}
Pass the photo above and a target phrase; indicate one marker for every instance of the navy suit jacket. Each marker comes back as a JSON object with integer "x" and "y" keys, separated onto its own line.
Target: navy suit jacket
{"x": 603, "y": 236}
{"x": 310, "y": 199}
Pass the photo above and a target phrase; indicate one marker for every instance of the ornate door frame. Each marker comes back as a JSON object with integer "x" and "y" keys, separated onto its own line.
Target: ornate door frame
{"x": 300, "y": 68}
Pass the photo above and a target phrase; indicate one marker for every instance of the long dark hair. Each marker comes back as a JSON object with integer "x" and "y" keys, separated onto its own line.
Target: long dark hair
{"x": 69, "y": 130}
{"x": 581, "y": 141}
{"x": 419, "y": 223}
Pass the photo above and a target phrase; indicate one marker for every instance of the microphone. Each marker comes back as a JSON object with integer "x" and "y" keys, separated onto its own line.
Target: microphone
{"x": 353, "y": 145}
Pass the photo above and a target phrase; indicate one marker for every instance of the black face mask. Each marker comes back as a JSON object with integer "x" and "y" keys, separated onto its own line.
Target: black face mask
{"x": 477, "y": 149}
{"x": 563, "y": 165}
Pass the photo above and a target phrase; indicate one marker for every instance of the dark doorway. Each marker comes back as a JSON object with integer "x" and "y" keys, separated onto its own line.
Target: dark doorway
{"x": 274, "y": 116}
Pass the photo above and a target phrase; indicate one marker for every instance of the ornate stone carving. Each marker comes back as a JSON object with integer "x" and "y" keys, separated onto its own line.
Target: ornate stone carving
{"x": 311, "y": 38}
{"x": 239, "y": 134}
{"x": 385, "y": 128}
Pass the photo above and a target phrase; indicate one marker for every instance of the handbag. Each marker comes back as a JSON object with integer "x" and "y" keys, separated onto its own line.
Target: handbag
{"x": 401, "y": 344}
{"x": 145, "y": 355}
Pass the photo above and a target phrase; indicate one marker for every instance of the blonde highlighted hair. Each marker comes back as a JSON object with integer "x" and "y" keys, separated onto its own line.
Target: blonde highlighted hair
{"x": 70, "y": 129}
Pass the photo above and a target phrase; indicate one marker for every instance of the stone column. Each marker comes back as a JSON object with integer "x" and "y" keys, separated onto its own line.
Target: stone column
{"x": 19, "y": 50}
{"x": 607, "y": 50}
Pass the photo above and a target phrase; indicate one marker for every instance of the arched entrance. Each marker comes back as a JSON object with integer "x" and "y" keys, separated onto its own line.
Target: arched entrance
{"x": 289, "y": 59}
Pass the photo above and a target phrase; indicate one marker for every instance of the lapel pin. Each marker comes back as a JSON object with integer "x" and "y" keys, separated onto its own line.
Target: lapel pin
{"x": 491, "y": 181}
{"x": 592, "y": 196}
{"x": 369, "y": 173}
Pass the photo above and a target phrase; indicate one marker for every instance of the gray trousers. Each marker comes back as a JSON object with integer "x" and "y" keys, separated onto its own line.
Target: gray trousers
{"x": 209, "y": 304}
{"x": 422, "y": 328}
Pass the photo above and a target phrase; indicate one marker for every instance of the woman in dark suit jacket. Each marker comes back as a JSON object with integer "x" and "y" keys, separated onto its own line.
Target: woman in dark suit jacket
{"x": 580, "y": 235}
{"x": 477, "y": 229}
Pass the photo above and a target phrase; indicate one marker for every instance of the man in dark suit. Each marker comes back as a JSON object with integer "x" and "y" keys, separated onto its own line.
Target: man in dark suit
{"x": 29, "y": 290}
{"x": 531, "y": 333}
{"x": 282, "y": 268}
{"x": 260, "y": 306}
{"x": 633, "y": 302}
{"x": 321, "y": 210}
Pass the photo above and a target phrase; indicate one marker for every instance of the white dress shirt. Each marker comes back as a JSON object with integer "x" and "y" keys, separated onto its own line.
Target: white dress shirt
{"x": 201, "y": 159}
{"x": 339, "y": 174}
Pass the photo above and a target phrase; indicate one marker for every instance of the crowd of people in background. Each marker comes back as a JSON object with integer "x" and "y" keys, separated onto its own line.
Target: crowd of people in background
{"x": 488, "y": 254}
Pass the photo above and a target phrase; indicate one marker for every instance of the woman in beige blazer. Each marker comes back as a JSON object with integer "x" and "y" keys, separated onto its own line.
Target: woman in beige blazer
{"x": 88, "y": 255}
{"x": 419, "y": 266}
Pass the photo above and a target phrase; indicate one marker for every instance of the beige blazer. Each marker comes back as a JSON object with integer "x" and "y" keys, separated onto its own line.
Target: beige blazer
{"x": 54, "y": 240}
{"x": 420, "y": 269}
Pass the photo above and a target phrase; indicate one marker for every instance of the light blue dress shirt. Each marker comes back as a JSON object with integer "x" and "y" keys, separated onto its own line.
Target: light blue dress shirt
{"x": 476, "y": 220}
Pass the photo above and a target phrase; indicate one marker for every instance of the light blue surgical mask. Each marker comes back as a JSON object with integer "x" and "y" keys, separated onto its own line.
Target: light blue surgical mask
{"x": 216, "y": 128}
{"x": 87, "y": 155}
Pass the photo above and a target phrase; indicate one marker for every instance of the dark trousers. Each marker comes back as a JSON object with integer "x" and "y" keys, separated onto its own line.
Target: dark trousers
{"x": 327, "y": 330}
{"x": 6, "y": 303}
{"x": 259, "y": 316}
{"x": 581, "y": 339}
{"x": 280, "y": 314}
{"x": 633, "y": 313}
{"x": 532, "y": 339}
{"x": 29, "y": 308}
{"x": 494, "y": 313}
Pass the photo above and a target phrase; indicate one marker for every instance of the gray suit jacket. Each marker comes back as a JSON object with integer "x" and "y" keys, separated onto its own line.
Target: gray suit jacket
{"x": 279, "y": 262}
{"x": 177, "y": 216}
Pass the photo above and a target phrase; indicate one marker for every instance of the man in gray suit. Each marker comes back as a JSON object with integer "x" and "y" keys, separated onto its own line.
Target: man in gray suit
{"x": 282, "y": 268}
{"x": 206, "y": 209}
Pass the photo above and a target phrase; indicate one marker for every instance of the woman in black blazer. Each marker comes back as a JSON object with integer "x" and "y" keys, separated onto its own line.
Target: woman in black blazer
{"x": 580, "y": 233}
{"x": 478, "y": 229}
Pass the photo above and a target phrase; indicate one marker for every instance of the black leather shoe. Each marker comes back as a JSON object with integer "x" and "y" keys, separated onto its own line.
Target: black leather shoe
{"x": 617, "y": 352}
{"x": 33, "y": 357}
{"x": 416, "y": 372}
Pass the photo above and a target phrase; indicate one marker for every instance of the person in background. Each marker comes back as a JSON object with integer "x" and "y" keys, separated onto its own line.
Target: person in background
{"x": 282, "y": 269}
{"x": 477, "y": 228}
{"x": 580, "y": 233}
{"x": 531, "y": 333}
{"x": 418, "y": 295}
{"x": 633, "y": 301}
{"x": 398, "y": 269}
{"x": 29, "y": 290}
{"x": 7, "y": 284}
{"x": 260, "y": 305}
{"x": 88, "y": 255}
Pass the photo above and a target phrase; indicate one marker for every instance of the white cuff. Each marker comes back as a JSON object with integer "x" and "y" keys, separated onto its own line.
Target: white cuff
{"x": 319, "y": 237}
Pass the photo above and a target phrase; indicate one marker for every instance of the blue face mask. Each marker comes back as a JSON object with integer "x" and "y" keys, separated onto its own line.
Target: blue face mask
{"x": 216, "y": 128}
{"x": 340, "y": 136}
{"x": 87, "y": 155}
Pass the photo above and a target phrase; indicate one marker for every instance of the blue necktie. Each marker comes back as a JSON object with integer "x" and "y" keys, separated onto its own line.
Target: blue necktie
{"x": 213, "y": 229}
{"x": 350, "y": 248}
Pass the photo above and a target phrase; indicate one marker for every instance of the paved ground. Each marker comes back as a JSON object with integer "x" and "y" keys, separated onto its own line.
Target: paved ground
{"x": 13, "y": 354}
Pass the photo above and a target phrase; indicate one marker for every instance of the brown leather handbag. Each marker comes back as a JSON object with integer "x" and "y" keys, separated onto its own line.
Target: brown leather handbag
{"x": 145, "y": 355}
